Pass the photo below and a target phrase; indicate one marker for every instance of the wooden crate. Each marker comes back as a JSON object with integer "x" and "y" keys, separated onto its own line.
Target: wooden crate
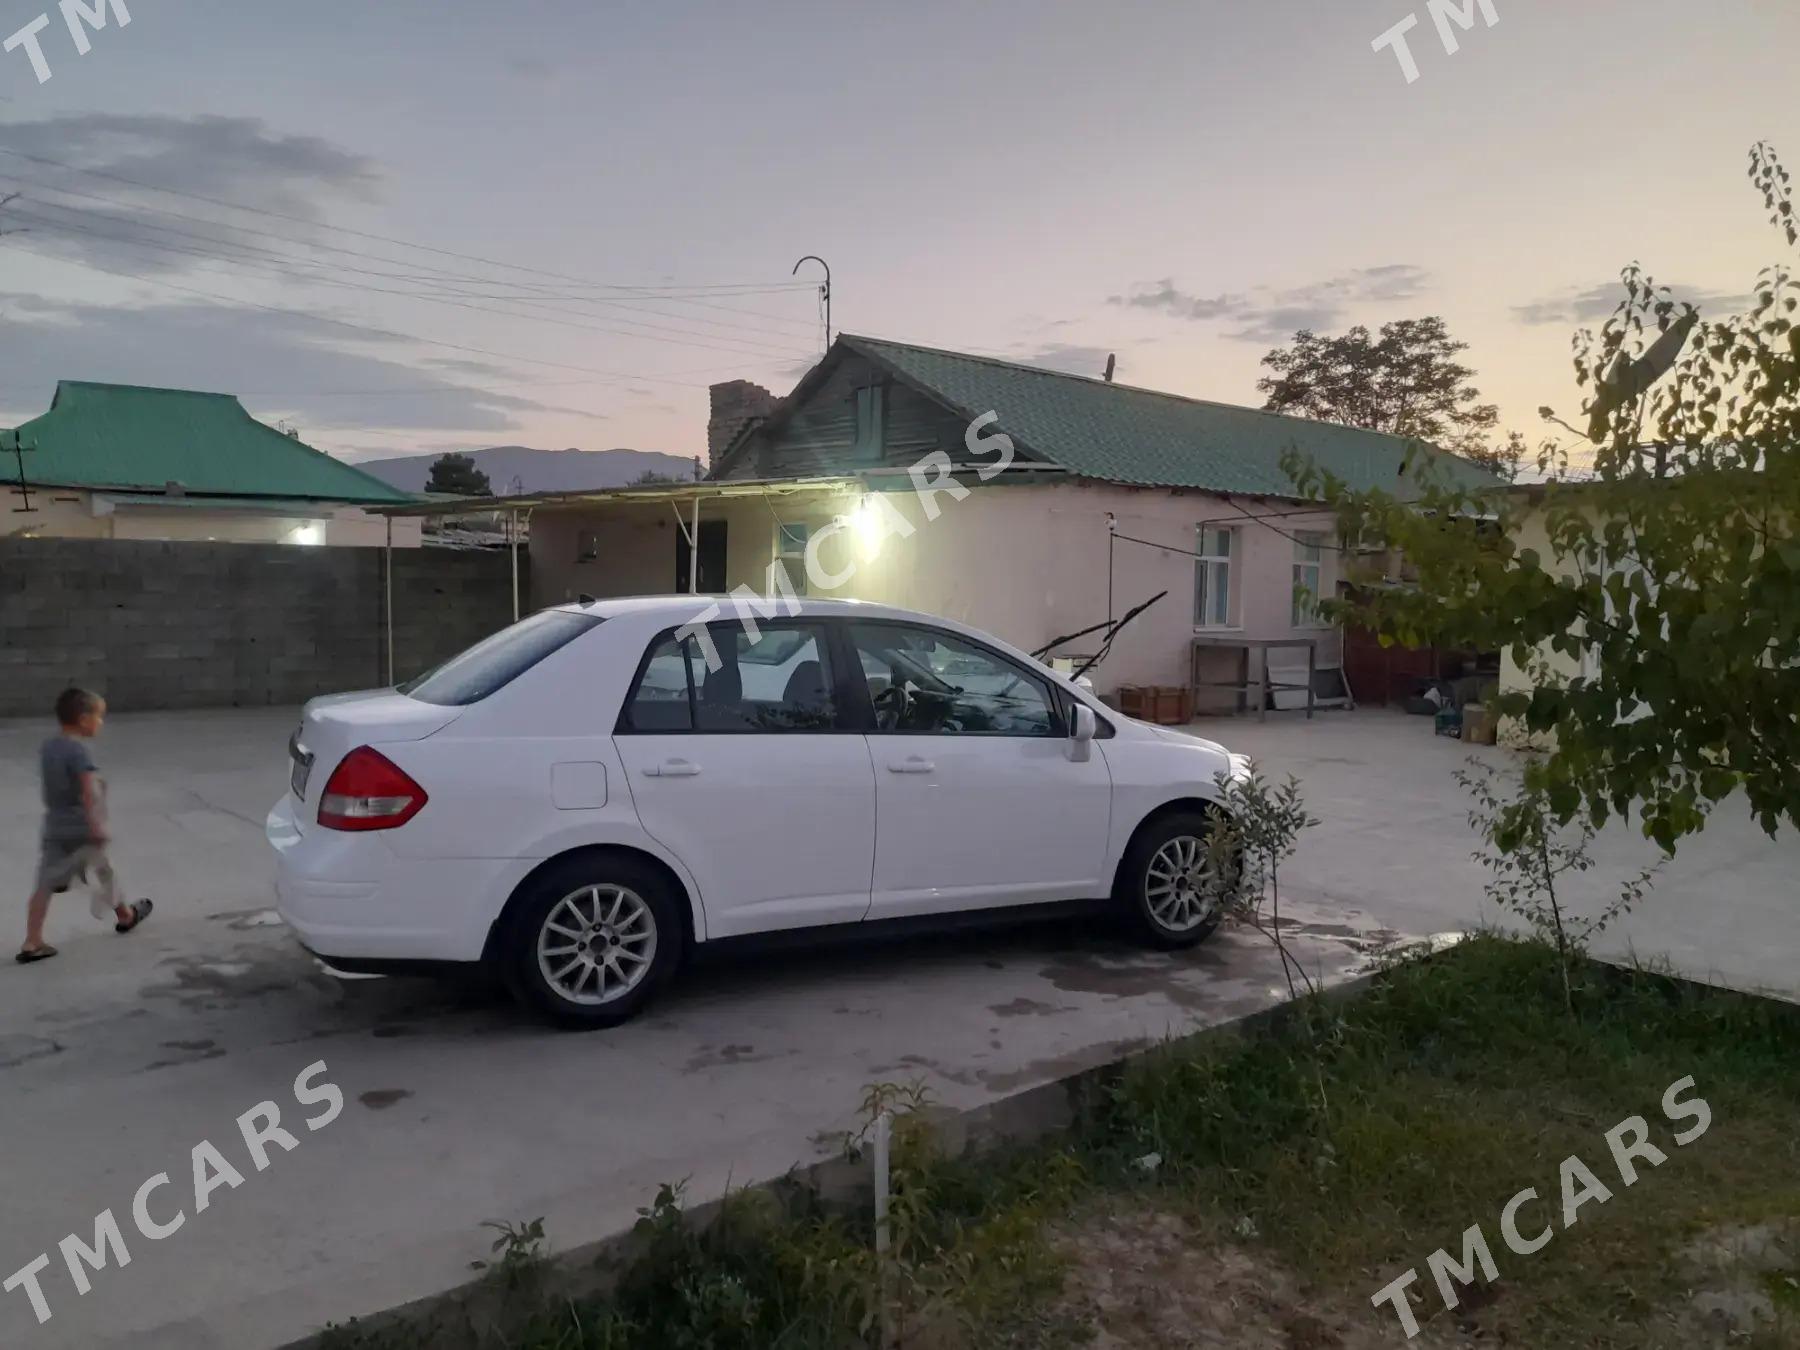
{"x": 1134, "y": 700}
{"x": 1171, "y": 705}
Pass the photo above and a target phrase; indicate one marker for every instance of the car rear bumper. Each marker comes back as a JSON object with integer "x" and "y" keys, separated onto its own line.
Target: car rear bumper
{"x": 351, "y": 900}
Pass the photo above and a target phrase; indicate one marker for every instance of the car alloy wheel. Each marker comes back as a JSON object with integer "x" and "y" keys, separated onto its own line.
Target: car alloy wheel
{"x": 1168, "y": 879}
{"x": 597, "y": 944}
{"x": 1179, "y": 889}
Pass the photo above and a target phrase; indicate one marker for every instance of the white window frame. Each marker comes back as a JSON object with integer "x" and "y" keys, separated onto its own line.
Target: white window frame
{"x": 1214, "y": 572}
{"x": 793, "y": 559}
{"x": 1310, "y": 573}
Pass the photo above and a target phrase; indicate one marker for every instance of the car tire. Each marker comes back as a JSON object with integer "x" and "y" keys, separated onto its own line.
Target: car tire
{"x": 1156, "y": 881}
{"x": 591, "y": 939}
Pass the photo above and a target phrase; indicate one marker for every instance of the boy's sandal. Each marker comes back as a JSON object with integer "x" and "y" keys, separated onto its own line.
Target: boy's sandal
{"x": 35, "y": 954}
{"x": 139, "y": 912}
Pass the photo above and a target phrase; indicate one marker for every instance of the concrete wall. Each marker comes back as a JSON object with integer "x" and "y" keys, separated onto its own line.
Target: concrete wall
{"x": 193, "y": 625}
{"x": 1027, "y": 562}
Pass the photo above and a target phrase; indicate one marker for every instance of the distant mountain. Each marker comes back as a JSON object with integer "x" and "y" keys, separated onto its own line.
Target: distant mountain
{"x": 537, "y": 470}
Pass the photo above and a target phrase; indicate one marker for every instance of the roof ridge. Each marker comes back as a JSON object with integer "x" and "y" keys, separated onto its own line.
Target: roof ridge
{"x": 1097, "y": 382}
{"x": 149, "y": 389}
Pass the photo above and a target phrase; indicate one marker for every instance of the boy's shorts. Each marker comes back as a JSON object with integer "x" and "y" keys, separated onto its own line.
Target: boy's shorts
{"x": 63, "y": 863}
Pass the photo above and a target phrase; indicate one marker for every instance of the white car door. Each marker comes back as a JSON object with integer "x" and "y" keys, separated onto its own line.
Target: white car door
{"x": 750, "y": 773}
{"x": 977, "y": 801}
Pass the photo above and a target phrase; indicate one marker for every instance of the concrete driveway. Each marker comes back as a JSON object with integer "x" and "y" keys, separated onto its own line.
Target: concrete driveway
{"x": 1394, "y": 841}
{"x": 123, "y": 1054}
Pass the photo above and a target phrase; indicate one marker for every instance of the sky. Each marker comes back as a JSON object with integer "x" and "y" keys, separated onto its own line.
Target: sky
{"x": 413, "y": 227}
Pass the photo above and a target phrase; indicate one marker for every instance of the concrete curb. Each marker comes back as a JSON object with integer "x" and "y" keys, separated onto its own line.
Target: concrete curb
{"x": 460, "y": 1318}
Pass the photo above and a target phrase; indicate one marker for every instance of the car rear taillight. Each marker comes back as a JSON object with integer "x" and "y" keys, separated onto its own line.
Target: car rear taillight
{"x": 368, "y": 791}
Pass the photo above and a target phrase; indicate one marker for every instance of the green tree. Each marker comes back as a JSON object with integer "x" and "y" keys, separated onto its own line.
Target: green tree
{"x": 1406, "y": 382}
{"x": 649, "y": 476}
{"x": 1671, "y": 581}
{"x": 457, "y": 474}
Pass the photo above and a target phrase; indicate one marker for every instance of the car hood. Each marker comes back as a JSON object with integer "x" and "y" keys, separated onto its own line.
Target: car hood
{"x": 1180, "y": 737}
{"x": 1241, "y": 765}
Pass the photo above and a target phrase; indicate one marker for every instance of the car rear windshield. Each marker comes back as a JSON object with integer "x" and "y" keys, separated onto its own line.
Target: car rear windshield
{"x": 495, "y": 662}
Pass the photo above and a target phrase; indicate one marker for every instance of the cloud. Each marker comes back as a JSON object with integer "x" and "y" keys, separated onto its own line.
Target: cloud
{"x": 96, "y": 217}
{"x": 286, "y": 365}
{"x": 1268, "y": 314}
{"x": 1597, "y": 302}
{"x": 463, "y": 366}
{"x": 1069, "y": 357}
{"x": 796, "y": 370}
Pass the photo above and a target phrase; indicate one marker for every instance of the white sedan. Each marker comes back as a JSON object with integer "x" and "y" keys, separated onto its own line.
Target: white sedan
{"x": 579, "y": 799}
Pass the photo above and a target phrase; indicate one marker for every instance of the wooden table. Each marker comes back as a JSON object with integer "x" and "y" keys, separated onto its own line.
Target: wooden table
{"x": 1243, "y": 686}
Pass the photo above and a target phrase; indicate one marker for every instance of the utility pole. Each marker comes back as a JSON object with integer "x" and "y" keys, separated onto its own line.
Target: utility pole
{"x": 20, "y": 449}
{"x": 824, "y": 290}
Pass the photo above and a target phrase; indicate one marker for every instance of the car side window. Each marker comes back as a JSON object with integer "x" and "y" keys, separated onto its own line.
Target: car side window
{"x": 925, "y": 681}
{"x": 664, "y": 698}
{"x": 778, "y": 680}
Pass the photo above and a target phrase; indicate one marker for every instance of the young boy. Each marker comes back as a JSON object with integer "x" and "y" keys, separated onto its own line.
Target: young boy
{"x": 75, "y": 837}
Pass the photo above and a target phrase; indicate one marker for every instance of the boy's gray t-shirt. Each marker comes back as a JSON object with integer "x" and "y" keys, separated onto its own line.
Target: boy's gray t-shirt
{"x": 62, "y": 761}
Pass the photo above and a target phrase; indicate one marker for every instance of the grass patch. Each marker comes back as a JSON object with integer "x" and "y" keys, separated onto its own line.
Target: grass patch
{"x": 1313, "y": 1163}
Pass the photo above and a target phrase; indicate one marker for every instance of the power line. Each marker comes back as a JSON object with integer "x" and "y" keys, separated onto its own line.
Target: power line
{"x": 284, "y": 263}
{"x": 438, "y": 274}
{"x": 687, "y": 338}
{"x": 227, "y": 301}
{"x": 711, "y": 288}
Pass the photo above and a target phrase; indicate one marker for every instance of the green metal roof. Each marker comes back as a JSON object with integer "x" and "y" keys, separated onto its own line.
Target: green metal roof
{"x": 1145, "y": 437}
{"x": 129, "y": 437}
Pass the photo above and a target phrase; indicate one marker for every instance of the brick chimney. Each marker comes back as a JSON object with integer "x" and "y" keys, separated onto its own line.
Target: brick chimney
{"x": 735, "y": 404}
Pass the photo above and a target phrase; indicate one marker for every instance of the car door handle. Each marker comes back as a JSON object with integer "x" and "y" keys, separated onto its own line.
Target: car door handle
{"x": 673, "y": 768}
{"x": 911, "y": 764}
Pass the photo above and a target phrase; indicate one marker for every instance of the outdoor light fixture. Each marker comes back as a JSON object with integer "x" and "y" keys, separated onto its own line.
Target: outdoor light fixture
{"x": 866, "y": 527}
{"x": 308, "y": 535}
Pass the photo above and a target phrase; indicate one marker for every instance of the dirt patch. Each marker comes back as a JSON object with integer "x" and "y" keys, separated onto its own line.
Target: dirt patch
{"x": 1138, "y": 1280}
{"x": 1745, "y": 1279}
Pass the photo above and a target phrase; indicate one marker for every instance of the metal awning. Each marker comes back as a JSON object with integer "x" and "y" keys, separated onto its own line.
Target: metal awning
{"x": 274, "y": 506}
{"x": 875, "y": 477}
{"x": 678, "y": 493}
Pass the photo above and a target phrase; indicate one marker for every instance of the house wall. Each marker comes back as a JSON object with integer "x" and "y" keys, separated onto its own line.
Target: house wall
{"x": 67, "y": 514}
{"x": 1532, "y": 532}
{"x": 1027, "y": 562}
{"x": 816, "y": 438}
{"x": 193, "y": 625}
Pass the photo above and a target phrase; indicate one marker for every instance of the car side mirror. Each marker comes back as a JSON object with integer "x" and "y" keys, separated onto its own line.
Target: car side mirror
{"x": 1081, "y": 732}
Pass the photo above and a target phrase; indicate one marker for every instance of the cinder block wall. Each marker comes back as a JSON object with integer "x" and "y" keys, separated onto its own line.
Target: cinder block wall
{"x": 194, "y": 625}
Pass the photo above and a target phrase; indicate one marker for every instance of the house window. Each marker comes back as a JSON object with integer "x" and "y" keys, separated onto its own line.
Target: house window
{"x": 870, "y": 418}
{"x": 790, "y": 552}
{"x": 1309, "y": 555}
{"x": 1212, "y": 577}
